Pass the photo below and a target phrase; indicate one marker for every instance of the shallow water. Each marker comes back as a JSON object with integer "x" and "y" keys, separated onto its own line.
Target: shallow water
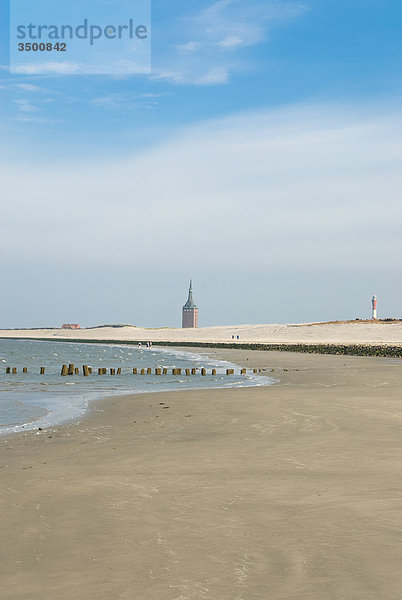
{"x": 31, "y": 400}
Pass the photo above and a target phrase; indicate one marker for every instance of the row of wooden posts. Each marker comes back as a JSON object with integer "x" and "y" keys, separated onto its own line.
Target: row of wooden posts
{"x": 86, "y": 370}
{"x": 71, "y": 369}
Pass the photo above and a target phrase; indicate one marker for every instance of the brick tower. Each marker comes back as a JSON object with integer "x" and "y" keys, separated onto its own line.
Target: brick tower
{"x": 190, "y": 311}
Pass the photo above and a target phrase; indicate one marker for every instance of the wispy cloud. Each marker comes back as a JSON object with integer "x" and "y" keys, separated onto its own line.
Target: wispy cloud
{"x": 125, "y": 101}
{"x": 32, "y": 119}
{"x": 298, "y": 186}
{"x": 25, "y": 106}
{"x": 214, "y": 36}
{"x": 28, "y": 87}
{"x": 50, "y": 68}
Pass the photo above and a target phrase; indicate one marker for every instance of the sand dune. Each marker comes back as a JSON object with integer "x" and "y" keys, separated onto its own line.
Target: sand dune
{"x": 361, "y": 332}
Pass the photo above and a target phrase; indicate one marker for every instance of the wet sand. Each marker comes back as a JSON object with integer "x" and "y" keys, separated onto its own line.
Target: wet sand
{"x": 292, "y": 491}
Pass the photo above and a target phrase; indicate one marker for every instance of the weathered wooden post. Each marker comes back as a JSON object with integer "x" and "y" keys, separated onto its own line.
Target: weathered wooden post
{"x": 8, "y": 370}
{"x": 85, "y": 370}
{"x": 119, "y": 371}
{"x": 165, "y": 371}
{"x": 254, "y": 370}
{"x": 243, "y": 372}
{"x": 42, "y": 370}
{"x": 158, "y": 371}
{"x": 188, "y": 372}
{"x": 64, "y": 370}
{"x": 213, "y": 371}
{"x": 90, "y": 370}
{"x": 142, "y": 371}
{"x": 25, "y": 370}
{"x": 113, "y": 371}
{"x": 76, "y": 371}
{"x": 14, "y": 370}
{"x": 203, "y": 372}
{"x": 193, "y": 371}
{"x": 71, "y": 369}
{"x": 135, "y": 371}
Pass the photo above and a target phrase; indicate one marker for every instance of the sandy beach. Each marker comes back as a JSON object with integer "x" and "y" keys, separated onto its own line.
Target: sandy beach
{"x": 284, "y": 492}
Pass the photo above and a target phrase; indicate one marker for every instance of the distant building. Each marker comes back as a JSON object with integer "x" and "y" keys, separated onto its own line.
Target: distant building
{"x": 70, "y": 326}
{"x": 190, "y": 311}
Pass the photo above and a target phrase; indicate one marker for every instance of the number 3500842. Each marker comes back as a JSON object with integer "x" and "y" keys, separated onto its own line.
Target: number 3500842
{"x": 42, "y": 47}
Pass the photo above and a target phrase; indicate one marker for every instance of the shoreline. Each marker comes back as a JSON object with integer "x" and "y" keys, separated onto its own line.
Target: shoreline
{"x": 88, "y": 398}
{"x": 384, "y": 349}
{"x": 286, "y": 491}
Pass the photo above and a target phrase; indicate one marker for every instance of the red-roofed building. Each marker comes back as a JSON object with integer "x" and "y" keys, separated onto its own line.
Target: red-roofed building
{"x": 70, "y": 326}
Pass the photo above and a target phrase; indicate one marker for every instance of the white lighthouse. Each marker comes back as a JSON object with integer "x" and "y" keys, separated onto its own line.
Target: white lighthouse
{"x": 374, "y": 308}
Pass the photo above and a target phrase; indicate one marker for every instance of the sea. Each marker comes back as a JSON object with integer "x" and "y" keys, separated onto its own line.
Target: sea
{"x": 32, "y": 401}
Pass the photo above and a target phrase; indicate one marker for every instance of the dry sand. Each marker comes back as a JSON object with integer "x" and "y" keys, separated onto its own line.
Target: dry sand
{"x": 285, "y": 492}
{"x": 355, "y": 332}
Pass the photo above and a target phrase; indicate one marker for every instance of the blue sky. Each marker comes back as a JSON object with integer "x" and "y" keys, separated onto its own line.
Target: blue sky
{"x": 275, "y": 53}
{"x": 224, "y": 73}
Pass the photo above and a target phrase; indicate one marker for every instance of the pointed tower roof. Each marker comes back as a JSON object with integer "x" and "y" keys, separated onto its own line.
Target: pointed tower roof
{"x": 190, "y": 301}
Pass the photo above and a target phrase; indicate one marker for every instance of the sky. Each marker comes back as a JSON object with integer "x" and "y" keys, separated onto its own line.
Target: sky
{"x": 261, "y": 157}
